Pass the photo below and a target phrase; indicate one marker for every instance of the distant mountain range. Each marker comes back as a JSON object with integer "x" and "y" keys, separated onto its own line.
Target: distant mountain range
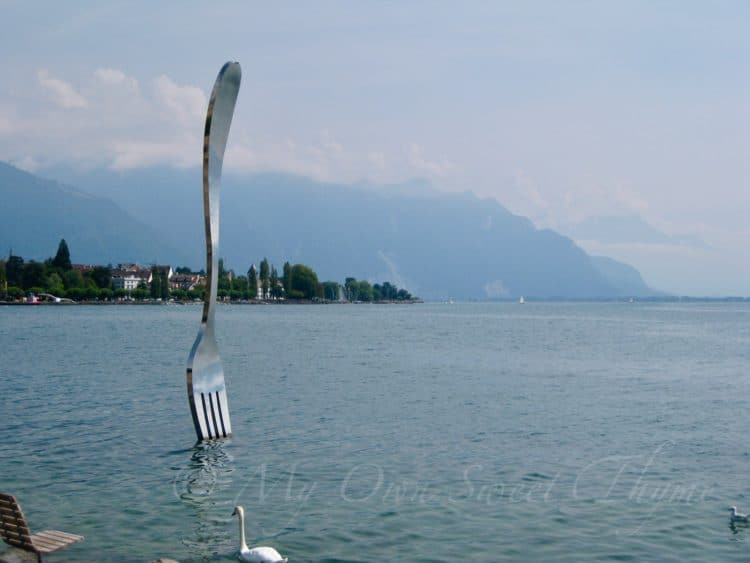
{"x": 37, "y": 213}
{"x": 437, "y": 245}
{"x": 628, "y": 228}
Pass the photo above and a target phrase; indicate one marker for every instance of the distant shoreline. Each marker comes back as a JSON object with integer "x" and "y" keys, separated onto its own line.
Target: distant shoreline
{"x": 200, "y": 303}
{"x": 528, "y": 301}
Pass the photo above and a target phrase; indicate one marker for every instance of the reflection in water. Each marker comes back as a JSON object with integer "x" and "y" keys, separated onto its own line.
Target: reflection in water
{"x": 737, "y": 527}
{"x": 203, "y": 485}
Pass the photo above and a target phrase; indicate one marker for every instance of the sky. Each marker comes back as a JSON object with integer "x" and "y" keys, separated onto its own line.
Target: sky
{"x": 576, "y": 114}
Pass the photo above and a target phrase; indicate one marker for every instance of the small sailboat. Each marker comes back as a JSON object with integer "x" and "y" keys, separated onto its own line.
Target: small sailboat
{"x": 522, "y": 300}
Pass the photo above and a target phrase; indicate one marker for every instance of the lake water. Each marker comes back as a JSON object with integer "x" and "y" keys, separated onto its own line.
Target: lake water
{"x": 480, "y": 432}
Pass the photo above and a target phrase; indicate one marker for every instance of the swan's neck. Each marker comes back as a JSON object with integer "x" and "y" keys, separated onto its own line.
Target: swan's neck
{"x": 243, "y": 545}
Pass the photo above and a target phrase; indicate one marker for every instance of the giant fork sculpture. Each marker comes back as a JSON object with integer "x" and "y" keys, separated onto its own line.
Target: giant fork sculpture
{"x": 205, "y": 376}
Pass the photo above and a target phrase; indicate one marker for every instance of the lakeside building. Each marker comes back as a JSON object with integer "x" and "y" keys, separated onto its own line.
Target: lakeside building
{"x": 130, "y": 277}
{"x": 186, "y": 282}
{"x": 125, "y": 280}
{"x": 267, "y": 295}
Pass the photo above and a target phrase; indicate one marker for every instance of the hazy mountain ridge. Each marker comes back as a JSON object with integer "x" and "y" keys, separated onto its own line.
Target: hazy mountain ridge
{"x": 38, "y": 212}
{"x": 436, "y": 244}
{"x": 629, "y": 228}
{"x": 624, "y": 277}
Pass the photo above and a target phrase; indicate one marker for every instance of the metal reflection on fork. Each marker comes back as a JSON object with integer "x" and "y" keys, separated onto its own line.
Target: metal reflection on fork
{"x": 205, "y": 375}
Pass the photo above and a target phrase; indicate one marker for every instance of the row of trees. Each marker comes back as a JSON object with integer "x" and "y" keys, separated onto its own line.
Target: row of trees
{"x": 299, "y": 281}
{"x": 361, "y": 290}
{"x": 55, "y": 275}
{"x": 296, "y": 281}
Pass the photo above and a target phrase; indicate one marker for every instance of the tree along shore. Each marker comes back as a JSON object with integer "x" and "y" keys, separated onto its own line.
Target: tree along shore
{"x": 177, "y": 302}
{"x": 59, "y": 278}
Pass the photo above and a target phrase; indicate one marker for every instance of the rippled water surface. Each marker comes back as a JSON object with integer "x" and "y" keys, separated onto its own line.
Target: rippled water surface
{"x": 478, "y": 432}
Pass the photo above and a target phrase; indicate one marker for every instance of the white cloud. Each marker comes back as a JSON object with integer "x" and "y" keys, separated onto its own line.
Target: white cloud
{"x": 162, "y": 128}
{"x": 64, "y": 94}
{"x": 181, "y": 153}
{"x": 124, "y": 126}
{"x": 129, "y": 126}
{"x": 114, "y": 77}
{"x": 325, "y": 158}
{"x": 590, "y": 196}
{"x": 558, "y": 202}
{"x": 27, "y": 163}
{"x": 186, "y": 103}
{"x": 240, "y": 157}
{"x": 423, "y": 165}
{"x": 529, "y": 191}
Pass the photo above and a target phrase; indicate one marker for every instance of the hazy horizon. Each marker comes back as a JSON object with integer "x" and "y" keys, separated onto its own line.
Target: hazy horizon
{"x": 623, "y": 125}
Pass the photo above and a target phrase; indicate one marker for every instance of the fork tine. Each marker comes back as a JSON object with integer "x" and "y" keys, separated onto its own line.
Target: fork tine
{"x": 210, "y": 409}
{"x": 212, "y": 415}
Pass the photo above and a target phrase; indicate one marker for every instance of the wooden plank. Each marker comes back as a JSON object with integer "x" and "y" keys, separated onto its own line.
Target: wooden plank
{"x": 13, "y": 529}
{"x": 61, "y": 542}
{"x": 6, "y": 519}
{"x": 48, "y": 547}
{"x": 18, "y": 538}
{"x": 19, "y": 542}
{"x": 17, "y": 531}
{"x": 16, "y": 525}
{"x": 15, "y": 535}
{"x": 45, "y": 536}
{"x": 20, "y": 530}
{"x": 20, "y": 534}
{"x": 48, "y": 543}
{"x": 62, "y": 535}
{"x": 55, "y": 536}
{"x": 10, "y": 502}
{"x": 11, "y": 511}
{"x": 45, "y": 545}
{"x": 22, "y": 545}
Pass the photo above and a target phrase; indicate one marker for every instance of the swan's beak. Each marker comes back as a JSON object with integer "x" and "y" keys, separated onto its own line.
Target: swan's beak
{"x": 234, "y": 512}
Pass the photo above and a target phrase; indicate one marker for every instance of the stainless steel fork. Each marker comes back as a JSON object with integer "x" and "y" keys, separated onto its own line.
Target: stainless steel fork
{"x": 205, "y": 375}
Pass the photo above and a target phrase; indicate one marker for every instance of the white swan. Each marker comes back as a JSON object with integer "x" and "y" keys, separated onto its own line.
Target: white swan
{"x": 737, "y": 516}
{"x": 256, "y": 554}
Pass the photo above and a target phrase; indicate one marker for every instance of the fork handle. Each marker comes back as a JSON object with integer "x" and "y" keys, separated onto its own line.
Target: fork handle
{"x": 218, "y": 121}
